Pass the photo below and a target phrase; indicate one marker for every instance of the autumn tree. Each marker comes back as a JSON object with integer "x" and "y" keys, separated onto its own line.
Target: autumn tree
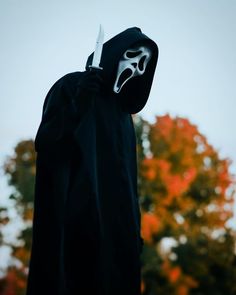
{"x": 186, "y": 195}
{"x": 20, "y": 169}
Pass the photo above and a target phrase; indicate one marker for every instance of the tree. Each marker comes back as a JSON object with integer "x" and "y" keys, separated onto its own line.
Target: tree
{"x": 186, "y": 195}
{"x": 20, "y": 169}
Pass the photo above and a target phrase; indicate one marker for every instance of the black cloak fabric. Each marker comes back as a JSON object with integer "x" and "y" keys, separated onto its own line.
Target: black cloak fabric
{"x": 86, "y": 225}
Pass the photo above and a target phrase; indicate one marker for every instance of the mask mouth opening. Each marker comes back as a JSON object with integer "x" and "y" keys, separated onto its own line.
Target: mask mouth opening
{"x": 122, "y": 79}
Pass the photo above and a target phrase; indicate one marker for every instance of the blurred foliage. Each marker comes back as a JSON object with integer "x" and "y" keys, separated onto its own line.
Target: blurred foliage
{"x": 186, "y": 197}
{"x": 20, "y": 169}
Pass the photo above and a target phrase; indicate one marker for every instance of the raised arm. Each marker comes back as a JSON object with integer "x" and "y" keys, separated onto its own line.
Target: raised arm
{"x": 65, "y": 106}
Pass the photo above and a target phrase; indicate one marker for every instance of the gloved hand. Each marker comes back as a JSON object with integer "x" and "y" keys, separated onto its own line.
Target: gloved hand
{"x": 88, "y": 88}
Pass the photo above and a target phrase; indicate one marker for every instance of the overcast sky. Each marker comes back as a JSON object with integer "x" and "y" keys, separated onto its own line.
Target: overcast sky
{"x": 195, "y": 76}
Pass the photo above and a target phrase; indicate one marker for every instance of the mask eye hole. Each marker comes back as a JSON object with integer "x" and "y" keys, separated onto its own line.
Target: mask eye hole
{"x": 141, "y": 63}
{"x": 131, "y": 54}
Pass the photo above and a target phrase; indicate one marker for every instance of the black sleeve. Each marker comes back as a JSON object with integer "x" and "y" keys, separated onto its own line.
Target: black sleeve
{"x": 60, "y": 117}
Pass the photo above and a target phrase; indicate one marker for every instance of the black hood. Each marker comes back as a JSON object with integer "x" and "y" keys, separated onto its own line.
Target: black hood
{"x": 135, "y": 92}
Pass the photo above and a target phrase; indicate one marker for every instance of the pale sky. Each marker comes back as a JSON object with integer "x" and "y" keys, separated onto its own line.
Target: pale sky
{"x": 195, "y": 76}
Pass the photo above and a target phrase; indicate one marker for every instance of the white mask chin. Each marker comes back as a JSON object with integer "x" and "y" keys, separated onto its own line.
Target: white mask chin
{"x": 133, "y": 63}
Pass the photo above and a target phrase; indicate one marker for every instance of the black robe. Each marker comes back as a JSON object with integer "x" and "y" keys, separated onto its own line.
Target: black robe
{"x": 86, "y": 224}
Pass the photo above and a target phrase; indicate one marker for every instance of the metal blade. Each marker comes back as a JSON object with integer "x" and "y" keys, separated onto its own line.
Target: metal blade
{"x": 98, "y": 49}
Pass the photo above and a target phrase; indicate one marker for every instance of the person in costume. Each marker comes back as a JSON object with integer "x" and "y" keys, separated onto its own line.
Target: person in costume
{"x": 86, "y": 224}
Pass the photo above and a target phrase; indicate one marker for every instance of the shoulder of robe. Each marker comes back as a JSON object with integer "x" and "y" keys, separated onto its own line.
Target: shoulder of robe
{"x": 61, "y": 91}
{"x": 57, "y": 111}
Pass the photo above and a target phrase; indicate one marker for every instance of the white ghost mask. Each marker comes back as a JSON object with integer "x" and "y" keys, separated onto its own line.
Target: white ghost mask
{"x": 133, "y": 63}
